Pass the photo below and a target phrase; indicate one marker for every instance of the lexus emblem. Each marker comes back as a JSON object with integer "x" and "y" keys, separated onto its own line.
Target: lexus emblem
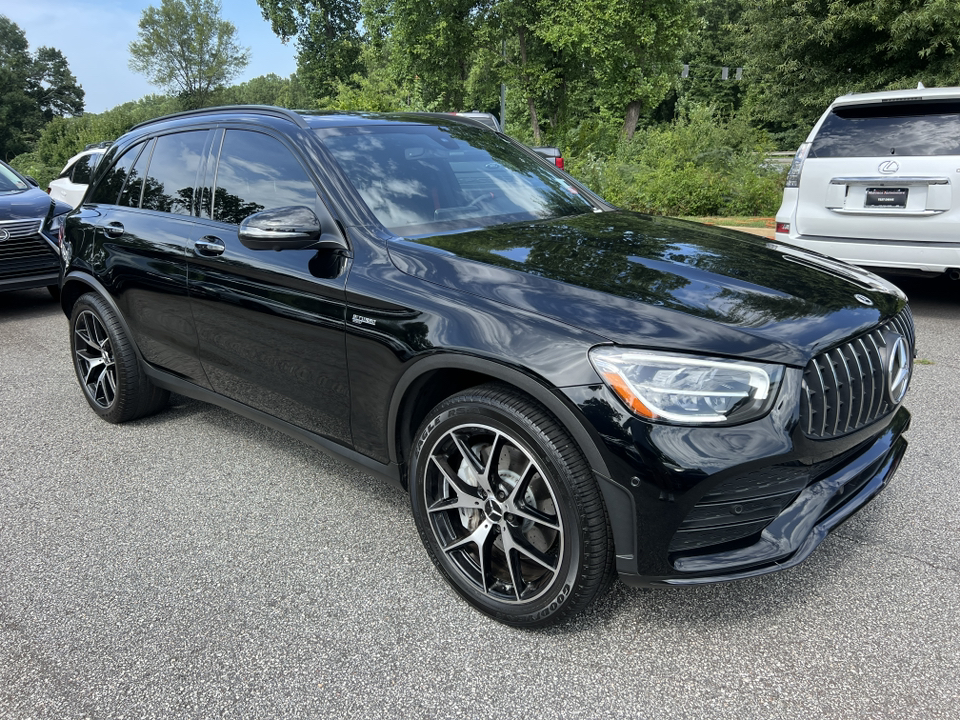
{"x": 889, "y": 167}
{"x": 898, "y": 370}
{"x": 863, "y": 299}
{"x": 4, "y": 234}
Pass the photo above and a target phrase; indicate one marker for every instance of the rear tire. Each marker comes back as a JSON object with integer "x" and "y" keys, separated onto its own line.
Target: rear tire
{"x": 107, "y": 366}
{"x": 508, "y": 508}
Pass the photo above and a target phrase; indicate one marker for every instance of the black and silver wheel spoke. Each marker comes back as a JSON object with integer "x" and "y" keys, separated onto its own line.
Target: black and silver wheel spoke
{"x": 475, "y": 464}
{"x": 513, "y": 540}
{"x": 482, "y": 538}
{"x": 516, "y": 505}
{"x": 490, "y": 470}
{"x": 465, "y": 496}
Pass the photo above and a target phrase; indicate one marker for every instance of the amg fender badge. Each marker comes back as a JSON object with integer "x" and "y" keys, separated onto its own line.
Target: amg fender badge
{"x": 361, "y": 320}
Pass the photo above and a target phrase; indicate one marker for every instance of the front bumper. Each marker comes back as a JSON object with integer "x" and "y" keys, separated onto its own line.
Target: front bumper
{"x": 692, "y": 506}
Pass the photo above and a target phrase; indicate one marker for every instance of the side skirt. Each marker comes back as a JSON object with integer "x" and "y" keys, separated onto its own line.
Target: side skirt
{"x": 389, "y": 472}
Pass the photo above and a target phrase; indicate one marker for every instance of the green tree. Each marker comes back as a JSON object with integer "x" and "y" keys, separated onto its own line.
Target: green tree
{"x": 802, "y": 55}
{"x": 328, "y": 42}
{"x": 511, "y": 51}
{"x": 710, "y": 47}
{"x": 433, "y": 44}
{"x": 185, "y": 47}
{"x": 34, "y": 88}
{"x": 631, "y": 45}
{"x": 63, "y": 137}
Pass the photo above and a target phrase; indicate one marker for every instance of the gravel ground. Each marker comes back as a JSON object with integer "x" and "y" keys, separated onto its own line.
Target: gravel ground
{"x": 197, "y": 565}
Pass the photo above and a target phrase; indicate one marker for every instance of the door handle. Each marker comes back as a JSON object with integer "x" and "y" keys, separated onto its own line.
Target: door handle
{"x": 113, "y": 229}
{"x": 209, "y": 246}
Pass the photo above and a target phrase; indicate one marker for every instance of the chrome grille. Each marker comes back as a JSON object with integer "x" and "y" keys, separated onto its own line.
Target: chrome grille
{"x": 21, "y": 228}
{"x": 844, "y": 389}
{"x": 24, "y": 253}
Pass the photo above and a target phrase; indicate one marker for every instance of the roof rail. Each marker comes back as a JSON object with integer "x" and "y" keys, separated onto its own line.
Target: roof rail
{"x": 276, "y": 112}
{"x": 461, "y": 119}
{"x": 97, "y": 145}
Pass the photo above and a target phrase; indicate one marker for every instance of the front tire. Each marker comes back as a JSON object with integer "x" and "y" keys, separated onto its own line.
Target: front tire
{"x": 507, "y": 508}
{"x": 106, "y": 364}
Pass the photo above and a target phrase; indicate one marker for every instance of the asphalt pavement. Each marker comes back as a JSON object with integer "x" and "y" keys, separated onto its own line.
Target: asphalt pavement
{"x": 197, "y": 565}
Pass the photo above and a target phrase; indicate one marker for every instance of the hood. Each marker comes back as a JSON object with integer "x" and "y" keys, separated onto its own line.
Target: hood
{"x": 661, "y": 283}
{"x": 28, "y": 204}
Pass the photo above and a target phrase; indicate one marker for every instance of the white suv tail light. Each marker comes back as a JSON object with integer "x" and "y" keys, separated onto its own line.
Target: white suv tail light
{"x": 796, "y": 167}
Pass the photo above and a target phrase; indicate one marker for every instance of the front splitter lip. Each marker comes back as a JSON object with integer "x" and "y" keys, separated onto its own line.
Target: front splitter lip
{"x": 883, "y": 468}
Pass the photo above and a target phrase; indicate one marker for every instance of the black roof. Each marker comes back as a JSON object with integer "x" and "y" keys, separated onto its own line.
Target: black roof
{"x": 305, "y": 119}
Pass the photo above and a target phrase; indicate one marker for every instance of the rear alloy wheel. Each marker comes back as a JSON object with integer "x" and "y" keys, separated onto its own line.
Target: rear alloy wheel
{"x": 107, "y": 366}
{"x": 508, "y": 509}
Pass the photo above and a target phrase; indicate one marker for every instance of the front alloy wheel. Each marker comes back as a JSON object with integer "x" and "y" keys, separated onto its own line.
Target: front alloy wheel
{"x": 493, "y": 513}
{"x": 508, "y": 509}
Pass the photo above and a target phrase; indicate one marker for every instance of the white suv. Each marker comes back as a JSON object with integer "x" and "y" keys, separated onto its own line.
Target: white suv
{"x": 71, "y": 184}
{"x": 874, "y": 182}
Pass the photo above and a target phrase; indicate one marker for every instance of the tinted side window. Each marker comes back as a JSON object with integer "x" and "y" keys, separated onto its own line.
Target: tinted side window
{"x": 172, "y": 174}
{"x": 82, "y": 169}
{"x": 130, "y": 196}
{"x": 256, "y": 172}
{"x": 110, "y": 185}
{"x": 901, "y": 128}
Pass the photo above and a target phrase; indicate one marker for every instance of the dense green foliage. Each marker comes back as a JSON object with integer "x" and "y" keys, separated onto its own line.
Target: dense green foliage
{"x": 801, "y": 55}
{"x": 698, "y": 164}
{"x": 62, "y": 138}
{"x": 328, "y": 41}
{"x": 599, "y": 78}
{"x": 35, "y": 88}
{"x": 185, "y": 47}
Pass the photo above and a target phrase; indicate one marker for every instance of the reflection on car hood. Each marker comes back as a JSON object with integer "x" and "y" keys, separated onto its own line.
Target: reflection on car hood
{"x": 32, "y": 203}
{"x": 659, "y": 282}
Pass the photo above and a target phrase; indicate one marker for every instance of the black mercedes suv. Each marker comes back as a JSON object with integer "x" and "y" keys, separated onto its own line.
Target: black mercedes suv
{"x": 566, "y": 390}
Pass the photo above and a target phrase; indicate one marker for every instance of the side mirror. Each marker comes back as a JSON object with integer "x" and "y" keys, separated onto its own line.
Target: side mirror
{"x": 288, "y": 228}
{"x": 32, "y": 181}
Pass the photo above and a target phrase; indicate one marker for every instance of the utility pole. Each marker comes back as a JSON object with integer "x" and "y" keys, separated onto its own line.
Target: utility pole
{"x": 503, "y": 92}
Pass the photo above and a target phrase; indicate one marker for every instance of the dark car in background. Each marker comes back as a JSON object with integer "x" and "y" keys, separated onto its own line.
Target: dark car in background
{"x": 29, "y": 225}
{"x": 568, "y": 392}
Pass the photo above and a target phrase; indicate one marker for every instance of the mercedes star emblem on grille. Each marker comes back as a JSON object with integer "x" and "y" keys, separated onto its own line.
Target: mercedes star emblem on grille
{"x": 898, "y": 372}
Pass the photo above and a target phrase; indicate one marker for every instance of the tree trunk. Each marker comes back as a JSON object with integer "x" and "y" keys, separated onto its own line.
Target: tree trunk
{"x": 534, "y": 122}
{"x": 631, "y": 119}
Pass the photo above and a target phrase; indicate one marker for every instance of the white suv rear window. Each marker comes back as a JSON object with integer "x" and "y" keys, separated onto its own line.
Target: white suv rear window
{"x": 893, "y": 128}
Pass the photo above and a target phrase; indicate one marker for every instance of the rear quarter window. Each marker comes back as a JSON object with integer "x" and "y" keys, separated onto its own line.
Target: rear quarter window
{"x": 899, "y": 128}
{"x": 107, "y": 190}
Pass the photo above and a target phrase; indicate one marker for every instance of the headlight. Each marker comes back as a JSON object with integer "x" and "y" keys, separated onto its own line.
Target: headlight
{"x": 687, "y": 389}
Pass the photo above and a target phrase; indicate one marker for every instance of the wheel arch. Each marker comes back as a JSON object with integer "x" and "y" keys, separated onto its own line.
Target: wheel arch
{"x": 450, "y": 373}
{"x": 77, "y": 284}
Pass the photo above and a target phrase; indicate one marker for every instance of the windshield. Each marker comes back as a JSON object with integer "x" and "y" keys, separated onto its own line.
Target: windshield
{"x": 421, "y": 179}
{"x": 10, "y": 181}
